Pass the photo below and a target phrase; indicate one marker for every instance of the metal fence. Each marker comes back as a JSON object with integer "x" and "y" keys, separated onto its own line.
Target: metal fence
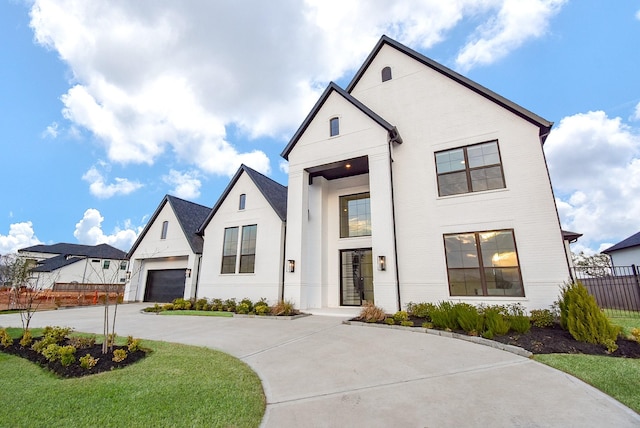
{"x": 616, "y": 288}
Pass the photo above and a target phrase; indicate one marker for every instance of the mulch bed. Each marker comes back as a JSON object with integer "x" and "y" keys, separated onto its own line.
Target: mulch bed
{"x": 554, "y": 340}
{"x": 105, "y": 362}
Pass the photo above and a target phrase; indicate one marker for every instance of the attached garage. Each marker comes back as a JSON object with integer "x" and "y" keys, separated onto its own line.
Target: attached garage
{"x": 164, "y": 285}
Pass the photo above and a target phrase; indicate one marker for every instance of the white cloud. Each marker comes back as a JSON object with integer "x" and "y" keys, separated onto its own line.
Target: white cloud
{"x": 100, "y": 189}
{"x": 89, "y": 232}
{"x": 516, "y": 22}
{"x": 594, "y": 162}
{"x": 51, "y": 131}
{"x": 284, "y": 166}
{"x": 151, "y": 77}
{"x": 638, "y": 15}
{"x": 186, "y": 185}
{"x": 636, "y": 113}
{"x": 21, "y": 235}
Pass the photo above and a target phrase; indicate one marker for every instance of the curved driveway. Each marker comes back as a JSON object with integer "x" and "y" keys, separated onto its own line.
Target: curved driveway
{"x": 317, "y": 372}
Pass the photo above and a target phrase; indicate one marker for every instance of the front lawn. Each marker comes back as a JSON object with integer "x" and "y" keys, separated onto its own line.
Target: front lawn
{"x": 175, "y": 385}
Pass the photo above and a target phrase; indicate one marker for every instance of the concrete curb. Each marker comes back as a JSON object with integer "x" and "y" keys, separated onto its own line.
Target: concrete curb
{"x": 270, "y": 317}
{"x": 473, "y": 339}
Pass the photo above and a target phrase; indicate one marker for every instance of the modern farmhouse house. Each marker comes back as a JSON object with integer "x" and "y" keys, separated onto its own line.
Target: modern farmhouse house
{"x": 416, "y": 184}
{"x": 413, "y": 184}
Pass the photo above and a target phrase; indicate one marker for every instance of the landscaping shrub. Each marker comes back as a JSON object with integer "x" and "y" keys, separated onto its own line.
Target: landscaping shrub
{"x": 389, "y": 321}
{"x": 56, "y": 334}
{"x": 518, "y": 319}
{"x": 406, "y": 323}
{"x": 54, "y": 352}
{"x": 243, "y": 308}
{"x": 27, "y": 339}
{"x": 88, "y": 362}
{"x": 400, "y": 316}
{"x": 247, "y": 302}
{"x": 155, "y": 308}
{"x": 283, "y": 307}
{"x": 216, "y": 305}
{"x": 202, "y": 305}
{"x": 168, "y": 307}
{"x": 635, "y": 333}
{"x": 443, "y": 315}
{"x": 82, "y": 342}
{"x": 5, "y": 339}
{"x": 495, "y": 322}
{"x": 181, "y": 304}
{"x": 469, "y": 318}
{"x": 419, "y": 310}
{"x": 581, "y": 315}
{"x": 133, "y": 344}
{"x": 229, "y": 305}
{"x": 542, "y": 318}
{"x": 427, "y": 324}
{"x": 261, "y": 307}
{"x": 119, "y": 355}
{"x": 371, "y": 313}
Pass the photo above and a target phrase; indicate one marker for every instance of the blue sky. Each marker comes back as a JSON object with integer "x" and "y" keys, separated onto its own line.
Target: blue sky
{"x": 108, "y": 106}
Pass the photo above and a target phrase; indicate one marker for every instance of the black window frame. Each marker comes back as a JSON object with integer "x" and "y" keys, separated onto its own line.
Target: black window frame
{"x": 229, "y": 252}
{"x": 344, "y": 226}
{"x": 496, "y": 272}
{"x": 242, "y": 201}
{"x": 386, "y": 74}
{"x": 334, "y": 126}
{"x": 248, "y": 242}
{"x": 165, "y": 228}
{"x": 470, "y": 170}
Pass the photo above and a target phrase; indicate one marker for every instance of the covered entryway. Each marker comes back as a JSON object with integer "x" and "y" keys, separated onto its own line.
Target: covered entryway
{"x": 164, "y": 285}
{"x": 356, "y": 277}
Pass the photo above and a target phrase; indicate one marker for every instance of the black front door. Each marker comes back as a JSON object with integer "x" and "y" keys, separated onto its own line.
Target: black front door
{"x": 356, "y": 277}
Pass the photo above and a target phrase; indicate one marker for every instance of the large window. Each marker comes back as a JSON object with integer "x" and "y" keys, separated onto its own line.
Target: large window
{"x": 469, "y": 169}
{"x": 355, "y": 215}
{"x": 246, "y": 249}
{"x": 229, "y": 250}
{"x": 483, "y": 264}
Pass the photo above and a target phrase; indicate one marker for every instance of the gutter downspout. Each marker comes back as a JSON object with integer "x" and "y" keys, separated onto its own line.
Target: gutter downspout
{"x": 394, "y": 137}
{"x": 198, "y": 276}
{"x": 284, "y": 251}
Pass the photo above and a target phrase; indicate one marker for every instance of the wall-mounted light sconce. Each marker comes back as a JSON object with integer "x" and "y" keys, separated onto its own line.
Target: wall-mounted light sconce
{"x": 187, "y": 273}
{"x": 291, "y": 265}
{"x": 128, "y": 275}
{"x": 382, "y": 263}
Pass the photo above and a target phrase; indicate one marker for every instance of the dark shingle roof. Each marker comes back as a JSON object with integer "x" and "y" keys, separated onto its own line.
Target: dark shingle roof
{"x": 57, "y": 262}
{"x": 274, "y": 192}
{"x": 323, "y": 98}
{"x": 632, "y": 241}
{"x": 190, "y": 216}
{"x": 103, "y": 251}
{"x": 543, "y": 124}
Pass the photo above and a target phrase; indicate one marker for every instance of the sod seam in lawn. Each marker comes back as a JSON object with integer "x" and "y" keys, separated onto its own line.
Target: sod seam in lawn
{"x": 175, "y": 385}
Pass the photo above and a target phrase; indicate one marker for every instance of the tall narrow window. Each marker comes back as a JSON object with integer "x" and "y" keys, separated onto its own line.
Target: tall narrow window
{"x": 229, "y": 250}
{"x": 105, "y": 264}
{"x": 469, "y": 169}
{"x": 243, "y": 199}
{"x": 386, "y": 74}
{"x": 334, "y": 126}
{"x": 123, "y": 265}
{"x": 355, "y": 215}
{"x": 483, "y": 264}
{"x": 248, "y": 249}
{"x": 165, "y": 227}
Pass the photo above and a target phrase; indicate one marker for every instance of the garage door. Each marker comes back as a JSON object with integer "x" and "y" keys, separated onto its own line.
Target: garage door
{"x": 164, "y": 285}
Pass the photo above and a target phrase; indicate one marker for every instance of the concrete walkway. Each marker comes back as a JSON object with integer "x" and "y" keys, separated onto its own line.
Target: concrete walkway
{"x": 317, "y": 372}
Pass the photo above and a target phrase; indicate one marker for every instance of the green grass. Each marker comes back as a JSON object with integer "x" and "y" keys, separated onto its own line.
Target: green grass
{"x": 198, "y": 313}
{"x": 625, "y": 319}
{"x": 175, "y": 385}
{"x": 617, "y": 377}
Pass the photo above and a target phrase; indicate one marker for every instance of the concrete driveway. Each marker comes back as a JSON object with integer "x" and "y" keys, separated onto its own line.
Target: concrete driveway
{"x": 317, "y": 372}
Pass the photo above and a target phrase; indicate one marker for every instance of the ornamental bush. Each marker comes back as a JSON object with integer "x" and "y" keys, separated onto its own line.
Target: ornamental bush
{"x": 371, "y": 313}
{"x": 580, "y": 314}
{"x": 469, "y": 318}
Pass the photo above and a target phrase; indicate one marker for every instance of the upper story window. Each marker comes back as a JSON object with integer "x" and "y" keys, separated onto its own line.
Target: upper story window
{"x": 123, "y": 265}
{"x": 483, "y": 264}
{"x": 165, "y": 227}
{"x": 248, "y": 249}
{"x": 386, "y": 74}
{"x": 229, "y": 250}
{"x": 243, "y": 200}
{"x": 334, "y": 126}
{"x": 355, "y": 215}
{"x": 469, "y": 169}
{"x": 105, "y": 264}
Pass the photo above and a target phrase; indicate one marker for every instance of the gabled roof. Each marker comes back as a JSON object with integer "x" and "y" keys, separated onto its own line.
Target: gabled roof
{"x": 632, "y": 241}
{"x": 57, "y": 262}
{"x": 190, "y": 216}
{"x": 103, "y": 251}
{"x": 323, "y": 98}
{"x": 274, "y": 192}
{"x": 543, "y": 124}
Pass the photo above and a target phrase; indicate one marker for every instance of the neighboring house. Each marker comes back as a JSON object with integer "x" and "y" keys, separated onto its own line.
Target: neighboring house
{"x": 165, "y": 259}
{"x": 61, "y": 264}
{"x": 416, "y": 184}
{"x": 244, "y": 234}
{"x": 625, "y": 252}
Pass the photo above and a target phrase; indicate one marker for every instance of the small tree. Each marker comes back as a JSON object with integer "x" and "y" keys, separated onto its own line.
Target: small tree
{"x": 594, "y": 265}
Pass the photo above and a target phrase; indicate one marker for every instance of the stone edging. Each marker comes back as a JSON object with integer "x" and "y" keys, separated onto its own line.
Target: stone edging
{"x": 270, "y": 317}
{"x": 473, "y": 339}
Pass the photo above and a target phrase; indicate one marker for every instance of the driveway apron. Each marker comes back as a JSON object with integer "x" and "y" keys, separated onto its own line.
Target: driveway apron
{"x": 318, "y": 372}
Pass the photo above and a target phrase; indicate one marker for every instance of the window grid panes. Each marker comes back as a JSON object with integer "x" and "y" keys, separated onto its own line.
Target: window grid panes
{"x": 355, "y": 215}
{"x": 248, "y": 249}
{"x": 483, "y": 264}
{"x": 229, "y": 250}
{"x": 469, "y": 169}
